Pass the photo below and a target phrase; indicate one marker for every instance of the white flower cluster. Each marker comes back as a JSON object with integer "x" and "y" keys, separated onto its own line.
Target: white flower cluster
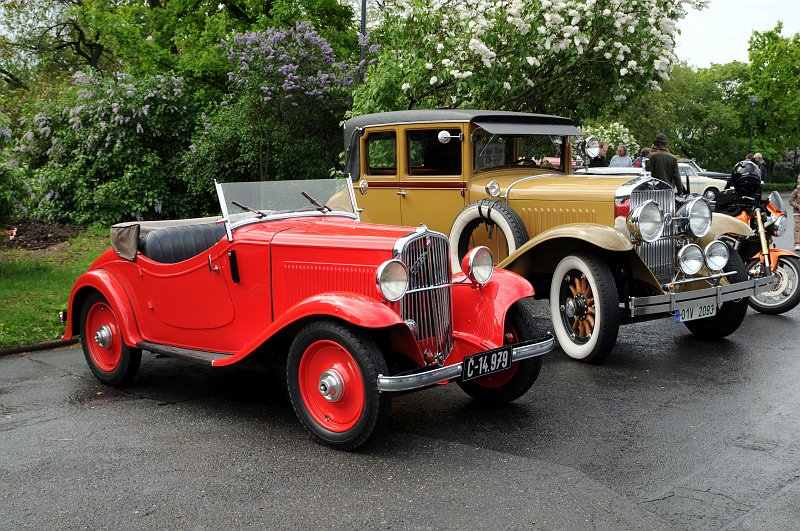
{"x": 516, "y": 41}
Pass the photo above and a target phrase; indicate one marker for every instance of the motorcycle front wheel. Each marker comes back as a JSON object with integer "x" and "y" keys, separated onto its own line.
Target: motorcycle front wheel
{"x": 784, "y": 294}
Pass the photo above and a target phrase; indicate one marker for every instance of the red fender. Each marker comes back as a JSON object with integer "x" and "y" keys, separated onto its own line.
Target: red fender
{"x": 480, "y": 312}
{"x": 107, "y": 284}
{"x": 359, "y": 310}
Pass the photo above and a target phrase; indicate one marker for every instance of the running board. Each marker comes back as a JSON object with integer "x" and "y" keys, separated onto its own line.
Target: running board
{"x": 188, "y": 354}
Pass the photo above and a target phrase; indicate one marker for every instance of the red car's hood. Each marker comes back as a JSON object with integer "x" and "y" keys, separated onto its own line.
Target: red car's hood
{"x": 337, "y": 233}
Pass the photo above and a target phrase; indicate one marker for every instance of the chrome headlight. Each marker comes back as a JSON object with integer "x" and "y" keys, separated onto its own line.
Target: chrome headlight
{"x": 392, "y": 279}
{"x": 478, "y": 264}
{"x": 493, "y": 188}
{"x": 780, "y": 225}
{"x": 690, "y": 258}
{"x": 695, "y": 217}
{"x": 716, "y": 255}
{"x": 646, "y": 222}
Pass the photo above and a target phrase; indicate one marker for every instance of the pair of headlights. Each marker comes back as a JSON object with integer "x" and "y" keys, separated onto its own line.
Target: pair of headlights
{"x": 392, "y": 277}
{"x": 646, "y": 222}
{"x": 691, "y": 257}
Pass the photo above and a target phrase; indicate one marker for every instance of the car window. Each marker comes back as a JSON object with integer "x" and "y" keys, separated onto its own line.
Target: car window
{"x": 503, "y": 151}
{"x": 428, "y": 156}
{"x": 381, "y": 153}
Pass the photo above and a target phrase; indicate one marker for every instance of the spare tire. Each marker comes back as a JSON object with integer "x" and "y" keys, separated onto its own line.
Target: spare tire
{"x": 492, "y": 215}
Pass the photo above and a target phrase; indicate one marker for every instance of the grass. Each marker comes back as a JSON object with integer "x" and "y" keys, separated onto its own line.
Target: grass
{"x": 35, "y": 285}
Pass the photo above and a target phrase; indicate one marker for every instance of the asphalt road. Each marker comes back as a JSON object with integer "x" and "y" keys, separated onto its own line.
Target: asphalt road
{"x": 670, "y": 432}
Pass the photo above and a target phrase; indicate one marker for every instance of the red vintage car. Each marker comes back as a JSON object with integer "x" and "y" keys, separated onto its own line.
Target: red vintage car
{"x": 355, "y": 311}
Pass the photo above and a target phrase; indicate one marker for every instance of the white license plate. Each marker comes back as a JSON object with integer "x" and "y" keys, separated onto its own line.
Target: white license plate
{"x": 696, "y": 312}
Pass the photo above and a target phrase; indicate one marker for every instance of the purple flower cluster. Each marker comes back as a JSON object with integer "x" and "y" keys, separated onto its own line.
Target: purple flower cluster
{"x": 283, "y": 63}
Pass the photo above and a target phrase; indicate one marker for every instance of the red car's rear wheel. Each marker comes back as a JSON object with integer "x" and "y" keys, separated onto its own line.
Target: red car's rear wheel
{"x": 110, "y": 359}
{"x": 332, "y": 373}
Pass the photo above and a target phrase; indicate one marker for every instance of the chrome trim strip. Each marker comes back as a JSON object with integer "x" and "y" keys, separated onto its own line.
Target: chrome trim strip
{"x": 424, "y": 379}
{"x": 671, "y": 302}
{"x": 528, "y": 178}
{"x": 698, "y": 279}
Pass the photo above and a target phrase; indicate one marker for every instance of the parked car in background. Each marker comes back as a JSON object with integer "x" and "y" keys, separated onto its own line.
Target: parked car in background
{"x": 604, "y": 249}
{"x": 705, "y": 173}
{"x": 288, "y": 274}
{"x": 697, "y": 183}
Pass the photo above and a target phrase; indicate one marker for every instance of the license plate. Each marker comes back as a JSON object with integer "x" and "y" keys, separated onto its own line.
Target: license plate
{"x": 485, "y": 363}
{"x": 696, "y": 312}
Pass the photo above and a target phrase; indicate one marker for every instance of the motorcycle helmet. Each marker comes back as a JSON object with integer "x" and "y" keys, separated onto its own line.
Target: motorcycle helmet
{"x": 746, "y": 179}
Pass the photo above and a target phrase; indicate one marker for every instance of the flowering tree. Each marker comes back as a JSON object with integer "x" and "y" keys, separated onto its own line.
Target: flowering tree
{"x": 560, "y": 56}
{"x": 109, "y": 151}
{"x": 288, "y": 94}
{"x": 615, "y": 134}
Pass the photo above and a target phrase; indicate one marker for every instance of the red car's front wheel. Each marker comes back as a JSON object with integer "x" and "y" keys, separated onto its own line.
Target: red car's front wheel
{"x": 110, "y": 359}
{"x": 331, "y": 373}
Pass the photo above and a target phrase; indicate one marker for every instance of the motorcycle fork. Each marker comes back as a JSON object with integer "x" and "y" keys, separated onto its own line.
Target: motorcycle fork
{"x": 762, "y": 236}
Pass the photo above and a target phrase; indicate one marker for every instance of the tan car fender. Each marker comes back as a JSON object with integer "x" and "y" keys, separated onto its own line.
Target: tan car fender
{"x": 543, "y": 252}
{"x": 725, "y": 224}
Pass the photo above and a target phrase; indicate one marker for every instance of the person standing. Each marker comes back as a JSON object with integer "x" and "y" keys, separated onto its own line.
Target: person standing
{"x": 600, "y": 160}
{"x": 638, "y": 162}
{"x": 621, "y": 159}
{"x": 663, "y": 165}
{"x": 762, "y": 166}
{"x": 794, "y": 200}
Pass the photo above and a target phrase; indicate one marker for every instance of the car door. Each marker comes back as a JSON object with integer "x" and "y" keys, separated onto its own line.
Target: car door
{"x": 432, "y": 180}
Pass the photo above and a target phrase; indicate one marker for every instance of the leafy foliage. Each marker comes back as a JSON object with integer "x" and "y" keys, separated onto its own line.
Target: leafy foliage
{"x": 288, "y": 96}
{"x": 109, "y": 150}
{"x": 557, "y": 56}
{"x": 615, "y": 134}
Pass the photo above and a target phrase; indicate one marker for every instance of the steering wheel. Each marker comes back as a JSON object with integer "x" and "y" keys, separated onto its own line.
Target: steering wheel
{"x": 526, "y": 161}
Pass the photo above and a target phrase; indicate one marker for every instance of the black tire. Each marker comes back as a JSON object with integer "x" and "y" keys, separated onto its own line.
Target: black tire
{"x": 490, "y": 214}
{"x": 731, "y": 314}
{"x": 511, "y": 384}
{"x": 785, "y": 292}
{"x": 584, "y": 307}
{"x": 353, "y": 361}
{"x": 110, "y": 359}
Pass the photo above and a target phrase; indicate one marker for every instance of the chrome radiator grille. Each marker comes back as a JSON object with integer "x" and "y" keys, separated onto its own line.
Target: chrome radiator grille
{"x": 428, "y": 300}
{"x": 658, "y": 255}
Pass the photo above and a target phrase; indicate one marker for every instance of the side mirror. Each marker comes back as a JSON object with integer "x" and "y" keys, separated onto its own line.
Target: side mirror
{"x": 444, "y": 136}
{"x": 592, "y": 147}
{"x": 363, "y": 186}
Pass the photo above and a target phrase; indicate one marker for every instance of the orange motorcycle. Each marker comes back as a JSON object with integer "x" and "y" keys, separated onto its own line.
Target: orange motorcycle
{"x": 768, "y": 220}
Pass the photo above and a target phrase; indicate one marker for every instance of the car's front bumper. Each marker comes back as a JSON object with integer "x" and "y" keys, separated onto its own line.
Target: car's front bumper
{"x": 669, "y": 303}
{"x": 408, "y": 382}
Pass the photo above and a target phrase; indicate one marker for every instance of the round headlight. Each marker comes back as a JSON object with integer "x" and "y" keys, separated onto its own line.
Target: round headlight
{"x": 698, "y": 212}
{"x": 780, "y": 225}
{"x": 716, "y": 255}
{"x": 493, "y": 188}
{"x": 646, "y": 221}
{"x": 478, "y": 264}
{"x": 392, "y": 279}
{"x": 690, "y": 258}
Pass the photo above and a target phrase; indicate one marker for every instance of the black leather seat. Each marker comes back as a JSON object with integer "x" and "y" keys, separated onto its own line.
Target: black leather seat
{"x": 171, "y": 245}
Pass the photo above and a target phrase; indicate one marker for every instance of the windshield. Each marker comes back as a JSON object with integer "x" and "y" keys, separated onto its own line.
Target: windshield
{"x": 505, "y": 151}
{"x": 246, "y": 201}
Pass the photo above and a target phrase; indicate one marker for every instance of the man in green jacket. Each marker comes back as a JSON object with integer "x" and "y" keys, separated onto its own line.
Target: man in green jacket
{"x": 663, "y": 165}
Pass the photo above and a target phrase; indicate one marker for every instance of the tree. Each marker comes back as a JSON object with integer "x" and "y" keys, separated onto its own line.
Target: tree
{"x": 775, "y": 79}
{"x": 558, "y": 56}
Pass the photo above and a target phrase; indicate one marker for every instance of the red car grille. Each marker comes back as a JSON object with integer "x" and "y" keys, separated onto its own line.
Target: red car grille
{"x": 428, "y": 301}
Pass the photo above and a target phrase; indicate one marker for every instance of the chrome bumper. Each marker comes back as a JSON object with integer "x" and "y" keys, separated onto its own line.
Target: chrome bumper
{"x": 671, "y": 302}
{"x": 407, "y": 382}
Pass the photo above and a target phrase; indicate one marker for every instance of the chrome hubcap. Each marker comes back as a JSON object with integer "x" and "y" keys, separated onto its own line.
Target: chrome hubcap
{"x": 331, "y": 385}
{"x": 103, "y": 336}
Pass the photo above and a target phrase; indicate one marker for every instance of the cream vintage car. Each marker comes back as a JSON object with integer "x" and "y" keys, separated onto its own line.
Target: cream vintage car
{"x": 604, "y": 249}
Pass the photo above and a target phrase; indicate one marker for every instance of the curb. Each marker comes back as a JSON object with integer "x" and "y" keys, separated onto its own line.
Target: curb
{"x": 18, "y": 349}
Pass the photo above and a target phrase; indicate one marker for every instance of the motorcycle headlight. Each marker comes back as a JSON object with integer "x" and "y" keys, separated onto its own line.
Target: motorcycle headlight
{"x": 690, "y": 258}
{"x": 695, "y": 217}
{"x": 392, "y": 279}
{"x": 479, "y": 265}
{"x": 780, "y": 225}
{"x": 716, "y": 255}
{"x": 646, "y": 222}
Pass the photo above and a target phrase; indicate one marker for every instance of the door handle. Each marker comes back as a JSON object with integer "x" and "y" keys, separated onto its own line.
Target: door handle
{"x": 401, "y": 193}
{"x": 211, "y": 266}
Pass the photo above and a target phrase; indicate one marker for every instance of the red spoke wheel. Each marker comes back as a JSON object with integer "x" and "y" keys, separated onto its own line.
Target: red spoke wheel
{"x": 332, "y": 372}
{"x": 110, "y": 359}
{"x": 506, "y": 386}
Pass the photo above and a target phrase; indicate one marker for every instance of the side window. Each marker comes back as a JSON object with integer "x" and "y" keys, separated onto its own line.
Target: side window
{"x": 382, "y": 153}
{"x": 428, "y": 156}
